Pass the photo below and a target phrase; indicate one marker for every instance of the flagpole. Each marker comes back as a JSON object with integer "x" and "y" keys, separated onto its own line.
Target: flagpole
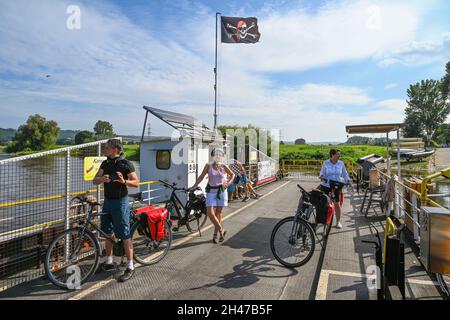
{"x": 215, "y": 80}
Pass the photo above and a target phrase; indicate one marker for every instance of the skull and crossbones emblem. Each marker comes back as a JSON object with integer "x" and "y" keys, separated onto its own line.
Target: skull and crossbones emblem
{"x": 242, "y": 30}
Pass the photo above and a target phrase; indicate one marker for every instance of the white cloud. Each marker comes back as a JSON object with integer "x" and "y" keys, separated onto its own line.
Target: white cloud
{"x": 111, "y": 67}
{"x": 297, "y": 40}
{"x": 418, "y": 52}
{"x": 390, "y": 86}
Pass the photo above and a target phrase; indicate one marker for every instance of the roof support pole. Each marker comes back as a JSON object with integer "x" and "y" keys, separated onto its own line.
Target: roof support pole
{"x": 145, "y": 124}
{"x": 399, "y": 171}
{"x": 387, "y": 154}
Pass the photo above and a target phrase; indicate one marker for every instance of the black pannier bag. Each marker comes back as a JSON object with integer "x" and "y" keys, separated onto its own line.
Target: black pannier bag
{"x": 197, "y": 202}
{"x": 320, "y": 201}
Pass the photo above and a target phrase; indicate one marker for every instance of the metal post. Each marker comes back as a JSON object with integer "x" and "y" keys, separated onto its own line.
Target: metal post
{"x": 145, "y": 124}
{"x": 215, "y": 79}
{"x": 399, "y": 211}
{"x": 399, "y": 172}
{"x": 387, "y": 154}
{"x": 99, "y": 153}
{"x": 67, "y": 215}
{"x": 415, "y": 216}
{"x": 149, "y": 194}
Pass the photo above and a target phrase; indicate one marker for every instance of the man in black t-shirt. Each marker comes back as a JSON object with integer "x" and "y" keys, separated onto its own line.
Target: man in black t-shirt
{"x": 117, "y": 173}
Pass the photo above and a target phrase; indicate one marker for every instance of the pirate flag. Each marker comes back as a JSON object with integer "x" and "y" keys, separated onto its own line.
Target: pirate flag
{"x": 239, "y": 30}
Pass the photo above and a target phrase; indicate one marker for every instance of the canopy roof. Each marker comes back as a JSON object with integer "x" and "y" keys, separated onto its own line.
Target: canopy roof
{"x": 186, "y": 125}
{"x": 373, "y": 128}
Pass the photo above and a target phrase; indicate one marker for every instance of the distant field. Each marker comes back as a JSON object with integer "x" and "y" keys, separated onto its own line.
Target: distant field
{"x": 132, "y": 152}
{"x": 308, "y": 152}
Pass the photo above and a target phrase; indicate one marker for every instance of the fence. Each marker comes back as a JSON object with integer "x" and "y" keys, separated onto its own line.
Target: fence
{"x": 409, "y": 196}
{"x": 36, "y": 203}
{"x": 309, "y": 169}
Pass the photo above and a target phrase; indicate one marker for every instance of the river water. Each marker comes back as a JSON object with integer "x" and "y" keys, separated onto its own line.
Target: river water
{"x": 39, "y": 178}
{"x": 44, "y": 177}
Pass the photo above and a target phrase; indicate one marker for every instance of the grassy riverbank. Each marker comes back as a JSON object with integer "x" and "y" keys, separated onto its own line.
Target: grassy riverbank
{"x": 308, "y": 152}
{"x": 132, "y": 152}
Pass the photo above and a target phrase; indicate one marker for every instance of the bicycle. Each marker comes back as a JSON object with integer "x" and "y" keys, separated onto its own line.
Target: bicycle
{"x": 72, "y": 257}
{"x": 293, "y": 239}
{"x": 195, "y": 212}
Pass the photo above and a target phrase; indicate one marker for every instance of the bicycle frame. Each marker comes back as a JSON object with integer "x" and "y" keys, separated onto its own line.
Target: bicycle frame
{"x": 88, "y": 222}
{"x": 176, "y": 201}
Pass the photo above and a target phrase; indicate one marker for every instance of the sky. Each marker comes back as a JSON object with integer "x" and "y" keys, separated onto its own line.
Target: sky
{"x": 319, "y": 65}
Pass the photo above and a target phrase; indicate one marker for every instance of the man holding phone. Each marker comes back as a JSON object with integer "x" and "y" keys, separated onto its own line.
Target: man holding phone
{"x": 117, "y": 173}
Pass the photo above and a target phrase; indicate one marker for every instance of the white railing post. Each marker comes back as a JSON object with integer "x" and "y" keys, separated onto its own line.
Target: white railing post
{"x": 149, "y": 194}
{"x": 67, "y": 206}
{"x": 99, "y": 153}
{"x": 415, "y": 217}
{"x": 396, "y": 204}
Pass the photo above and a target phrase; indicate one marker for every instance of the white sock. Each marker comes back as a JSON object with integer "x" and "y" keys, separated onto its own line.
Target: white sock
{"x": 130, "y": 265}
{"x": 109, "y": 260}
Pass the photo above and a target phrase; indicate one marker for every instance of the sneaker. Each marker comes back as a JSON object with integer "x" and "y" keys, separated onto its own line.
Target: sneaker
{"x": 246, "y": 199}
{"x": 126, "y": 275}
{"x": 339, "y": 225}
{"x": 107, "y": 267}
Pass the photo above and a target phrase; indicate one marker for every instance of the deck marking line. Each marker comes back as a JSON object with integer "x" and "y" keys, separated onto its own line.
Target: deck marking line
{"x": 103, "y": 283}
{"x": 322, "y": 287}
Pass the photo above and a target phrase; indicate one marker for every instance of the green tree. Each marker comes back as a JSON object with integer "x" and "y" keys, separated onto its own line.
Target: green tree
{"x": 442, "y": 134}
{"x": 446, "y": 82}
{"x": 84, "y": 137}
{"x": 104, "y": 129}
{"x": 412, "y": 127}
{"x": 223, "y": 129}
{"x": 427, "y": 108}
{"x": 300, "y": 141}
{"x": 37, "y": 134}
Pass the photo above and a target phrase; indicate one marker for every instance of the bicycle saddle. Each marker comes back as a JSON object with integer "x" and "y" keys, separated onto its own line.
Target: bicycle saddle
{"x": 136, "y": 196}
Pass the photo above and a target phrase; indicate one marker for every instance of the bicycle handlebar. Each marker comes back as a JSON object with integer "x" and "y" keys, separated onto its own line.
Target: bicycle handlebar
{"x": 85, "y": 199}
{"x": 172, "y": 186}
{"x": 300, "y": 187}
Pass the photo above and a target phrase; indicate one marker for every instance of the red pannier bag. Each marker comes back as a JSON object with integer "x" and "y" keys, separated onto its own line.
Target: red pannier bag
{"x": 154, "y": 221}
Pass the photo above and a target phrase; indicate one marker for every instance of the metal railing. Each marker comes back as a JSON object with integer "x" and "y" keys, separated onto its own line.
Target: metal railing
{"x": 309, "y": 169}
{"x": 407, "y": 201}
{"x": 36, "y": 203}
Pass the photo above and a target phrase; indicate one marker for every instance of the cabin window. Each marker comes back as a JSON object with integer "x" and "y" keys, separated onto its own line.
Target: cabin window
{"x": 163, "y": 159}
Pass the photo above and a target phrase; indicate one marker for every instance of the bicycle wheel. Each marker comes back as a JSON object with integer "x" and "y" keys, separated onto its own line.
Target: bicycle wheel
{"x": 148, "y": 251}
{"x": 292, "y": 242}
{"x": 444, "y": 283}
{"x": 197, "y": 220}
{"x": 72, "y": 259}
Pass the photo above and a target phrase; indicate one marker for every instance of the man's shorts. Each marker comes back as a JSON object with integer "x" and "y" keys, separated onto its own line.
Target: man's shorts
{"x": 118, "y": 219}
{"x": 242, "y": 180}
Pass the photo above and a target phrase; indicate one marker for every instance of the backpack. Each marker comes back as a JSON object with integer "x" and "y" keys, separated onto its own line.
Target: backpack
{"x": 153, "y": 222}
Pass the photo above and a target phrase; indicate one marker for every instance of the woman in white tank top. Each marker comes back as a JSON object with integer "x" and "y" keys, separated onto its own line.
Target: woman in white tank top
{"x": 216, "y": 195}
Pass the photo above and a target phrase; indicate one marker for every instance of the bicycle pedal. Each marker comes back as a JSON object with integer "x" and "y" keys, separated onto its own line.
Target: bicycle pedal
{"x": 175, "y": 229}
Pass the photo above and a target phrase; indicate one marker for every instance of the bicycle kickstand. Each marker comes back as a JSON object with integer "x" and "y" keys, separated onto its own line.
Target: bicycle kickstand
{"x": 198, "y": 226}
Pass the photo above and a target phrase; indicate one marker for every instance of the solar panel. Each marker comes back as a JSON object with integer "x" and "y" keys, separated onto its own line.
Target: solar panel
{"x": 186, "y": 125}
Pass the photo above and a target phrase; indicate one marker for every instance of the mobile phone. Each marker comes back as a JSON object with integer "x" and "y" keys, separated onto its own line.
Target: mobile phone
{"x": 113, "y": 176}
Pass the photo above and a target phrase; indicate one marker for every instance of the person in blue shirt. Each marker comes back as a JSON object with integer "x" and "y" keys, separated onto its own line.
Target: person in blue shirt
{"x": 334, "y": 169}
